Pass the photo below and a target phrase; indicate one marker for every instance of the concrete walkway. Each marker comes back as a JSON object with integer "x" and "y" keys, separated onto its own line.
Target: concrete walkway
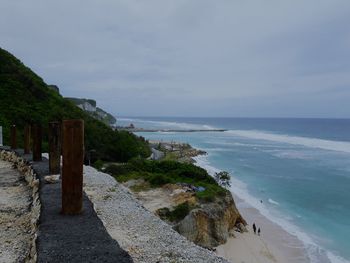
{"x": 81, "y": 238}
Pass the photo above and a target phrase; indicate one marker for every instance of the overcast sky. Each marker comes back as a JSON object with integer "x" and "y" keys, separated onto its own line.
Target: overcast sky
{"x": 261, "y": 58}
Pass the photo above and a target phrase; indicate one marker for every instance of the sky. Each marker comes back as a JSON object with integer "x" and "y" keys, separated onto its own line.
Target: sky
{"x": 205, "y": 58}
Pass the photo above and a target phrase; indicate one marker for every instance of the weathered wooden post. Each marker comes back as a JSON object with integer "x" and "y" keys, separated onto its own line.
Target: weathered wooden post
{"x": 1, "y": 143}
{"x": 54, "y": 147}
{"x": 13, "y": 137}
{"x": 72, "y": 169}
{"x": 37, "y": 137}
{"x": 27, "y": 139}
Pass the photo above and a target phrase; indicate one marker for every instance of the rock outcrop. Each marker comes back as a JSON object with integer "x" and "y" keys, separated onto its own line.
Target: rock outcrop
{"x": 212, "y": 223}
{"x": 207, "y": 224}
{"x": 89, "y": 106}
{"x": 138, "y": 231}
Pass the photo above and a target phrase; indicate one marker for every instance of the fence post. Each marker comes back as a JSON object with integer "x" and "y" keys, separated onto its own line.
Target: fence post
{"x": 27, "y": 139}
{"x": 1, "y": 143}
{"x": 72, "y": 169}
{"x": 13, "y": 137}
{"x": 37, "y": 134}
{"x": 54, "y": 147}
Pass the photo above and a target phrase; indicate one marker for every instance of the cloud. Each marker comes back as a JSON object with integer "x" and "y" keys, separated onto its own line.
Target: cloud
{"x": 188, "y": 57}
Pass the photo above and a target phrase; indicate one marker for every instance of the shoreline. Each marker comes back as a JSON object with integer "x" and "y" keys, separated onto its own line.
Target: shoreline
{"x": 310, "y": 250}
{"x": 275, "y": 244}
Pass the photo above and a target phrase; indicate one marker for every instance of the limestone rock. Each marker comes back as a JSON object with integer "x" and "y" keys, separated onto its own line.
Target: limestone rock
{"x": 52, "y": 179}
{"x": 210, "y": 224}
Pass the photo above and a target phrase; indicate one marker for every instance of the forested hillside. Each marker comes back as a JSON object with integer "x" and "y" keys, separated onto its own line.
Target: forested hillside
{"x": 25, "y": 98}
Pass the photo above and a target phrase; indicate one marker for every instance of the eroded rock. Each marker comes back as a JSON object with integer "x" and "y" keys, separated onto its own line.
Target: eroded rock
{"x": 210, "y": 224}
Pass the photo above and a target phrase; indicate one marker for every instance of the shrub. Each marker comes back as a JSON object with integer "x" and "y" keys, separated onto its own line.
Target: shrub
{"x": 180, "y": 212}
{"x": 223, "y": 178}
{"x": 159, "y": 180}
{"x": 175, "y": 215}
{"x": 98, "y": 164}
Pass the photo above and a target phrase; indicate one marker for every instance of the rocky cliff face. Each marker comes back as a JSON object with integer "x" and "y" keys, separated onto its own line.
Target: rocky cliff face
{"x": 212, "y": 223}
{"x": 90, "y": 107}
{"x": 207, "y": 224}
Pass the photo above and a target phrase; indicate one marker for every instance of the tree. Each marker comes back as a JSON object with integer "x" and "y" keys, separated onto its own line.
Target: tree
{"x": 223, "y": 178}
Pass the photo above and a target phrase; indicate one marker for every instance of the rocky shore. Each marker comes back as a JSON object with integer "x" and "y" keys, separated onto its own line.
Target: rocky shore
{"x": 206, "y": 223}
{"x": 181, "y": 152}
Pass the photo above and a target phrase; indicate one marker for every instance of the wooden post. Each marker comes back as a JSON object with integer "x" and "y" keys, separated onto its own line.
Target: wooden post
{"x": 54, "y": 147}
{"x": 72, "y": 169}
{"x": 27, "y": 139}
{"x": 13, "y": 137}
{"x": 37, "y": 134}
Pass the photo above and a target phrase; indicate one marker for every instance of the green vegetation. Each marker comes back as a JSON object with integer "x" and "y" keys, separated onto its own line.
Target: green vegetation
{"x": 79, "y": 101}
{"x": 98, "y": 114}
{"x": 105, "y": 116}
{"x": 158, "y": 173}
{"x": 177, "y": 214}
{"x": 25, "y": 98}
{"x": 223, "y": 178}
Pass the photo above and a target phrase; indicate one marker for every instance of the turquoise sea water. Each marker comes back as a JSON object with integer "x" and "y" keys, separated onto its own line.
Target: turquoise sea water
{"x": 299, "y": 168}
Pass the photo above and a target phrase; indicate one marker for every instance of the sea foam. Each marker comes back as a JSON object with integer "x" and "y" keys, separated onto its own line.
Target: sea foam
{"x": 170, "y": 125}
{"x": 296, "y": 140}
{"x": 315, "y": 253}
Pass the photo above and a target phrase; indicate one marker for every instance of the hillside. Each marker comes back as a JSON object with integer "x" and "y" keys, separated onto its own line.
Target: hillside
{"x": 25, "y": 98}
{"x": 90, "y": 107}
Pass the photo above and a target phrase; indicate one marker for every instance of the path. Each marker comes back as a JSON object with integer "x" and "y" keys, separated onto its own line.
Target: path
{"x": 81, "y": 238}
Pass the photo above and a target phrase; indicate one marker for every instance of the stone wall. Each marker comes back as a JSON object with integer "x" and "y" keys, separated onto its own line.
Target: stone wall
{"x": 26, "y": 170}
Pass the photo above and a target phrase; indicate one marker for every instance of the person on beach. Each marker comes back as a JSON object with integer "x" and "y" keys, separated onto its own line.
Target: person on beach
{"x": 259, "y": 231}
{"x": 254, "y": 228}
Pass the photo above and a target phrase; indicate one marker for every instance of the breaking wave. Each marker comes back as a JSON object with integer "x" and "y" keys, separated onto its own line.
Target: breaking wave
{"x": 170, "y": 125}
{"x": 339, "y": 146}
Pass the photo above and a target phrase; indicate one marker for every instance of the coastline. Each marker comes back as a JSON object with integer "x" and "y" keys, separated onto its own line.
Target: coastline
{"x": 275, "y": 244}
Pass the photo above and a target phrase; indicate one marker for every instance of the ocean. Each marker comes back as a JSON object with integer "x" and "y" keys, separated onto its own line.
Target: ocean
{"x": 298, "y": 168}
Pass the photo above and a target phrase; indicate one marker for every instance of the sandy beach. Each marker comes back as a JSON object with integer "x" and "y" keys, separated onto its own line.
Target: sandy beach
{"x": 273, "y": 245}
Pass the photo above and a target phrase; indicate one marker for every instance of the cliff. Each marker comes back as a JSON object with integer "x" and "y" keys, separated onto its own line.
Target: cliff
{"x": 211, "y": 224}
{"x": 90, "y": 107}
{"x": 182, "y": 194}
{"x": 206, "y": 222}
{"x": 138, "y": 231}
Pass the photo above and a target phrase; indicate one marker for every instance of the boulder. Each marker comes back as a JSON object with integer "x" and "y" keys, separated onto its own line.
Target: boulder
{"x": 52, "y": 179}
{"x": 212, "y": 223}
